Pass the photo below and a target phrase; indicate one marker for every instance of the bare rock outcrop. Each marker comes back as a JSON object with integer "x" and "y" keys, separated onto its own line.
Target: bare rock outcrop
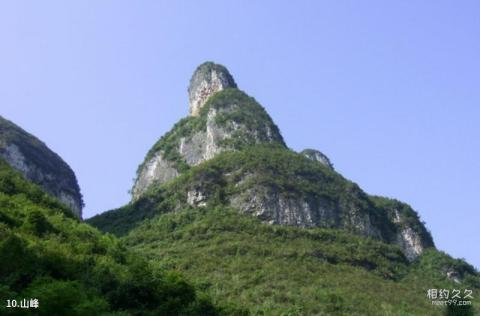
{"x": 28, "y": 155}
{"x": 318, "y": 156}
{"x": 207, "y": 79}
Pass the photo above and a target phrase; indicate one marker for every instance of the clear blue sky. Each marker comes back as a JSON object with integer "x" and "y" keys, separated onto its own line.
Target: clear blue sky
{"x": 389, "y": 90}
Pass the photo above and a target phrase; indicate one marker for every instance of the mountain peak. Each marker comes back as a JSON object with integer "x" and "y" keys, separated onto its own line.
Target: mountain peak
{"x": 207, "y": 79}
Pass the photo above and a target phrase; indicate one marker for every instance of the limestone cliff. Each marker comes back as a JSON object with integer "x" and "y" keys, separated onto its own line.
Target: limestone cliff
{"x": 229, "y": 152}
{"x": 410, "y": 232}
{"x": 25, "y": 153}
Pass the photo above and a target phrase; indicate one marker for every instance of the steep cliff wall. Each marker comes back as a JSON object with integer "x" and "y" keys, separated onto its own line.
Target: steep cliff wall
{"x": 39, "y": 164}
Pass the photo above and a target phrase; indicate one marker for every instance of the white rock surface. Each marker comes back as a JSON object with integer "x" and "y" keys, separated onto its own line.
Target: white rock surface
{"x": 157, "y": 169}
{"x": 318, "y": 156}
{"x": 208, "y": 79}
{"x": 408, "y": 239}
{"x": 39, "y": 164}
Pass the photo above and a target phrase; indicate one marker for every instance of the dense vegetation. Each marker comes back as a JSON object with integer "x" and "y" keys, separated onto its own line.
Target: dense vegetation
{"x": 277, "y": 270}
{"x": 245, "y": 111}
{"x": 72, "y": 269}
{"x": 120, "y": 221}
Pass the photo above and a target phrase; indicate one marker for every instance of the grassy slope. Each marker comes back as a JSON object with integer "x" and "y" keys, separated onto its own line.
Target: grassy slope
{"x": 274, "y": 270}
{"x": 72, "y": 268}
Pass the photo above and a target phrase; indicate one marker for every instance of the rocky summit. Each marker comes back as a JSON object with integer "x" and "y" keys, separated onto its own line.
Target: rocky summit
{"x": 208, "y": 79}
{"x": 30, "y": 156}
{"x": 222, "y": 118}
{"x": 229, "y": 152}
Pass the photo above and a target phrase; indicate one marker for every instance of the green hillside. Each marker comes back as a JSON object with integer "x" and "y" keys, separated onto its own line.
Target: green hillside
{"x": 276, "y": 270}
{"x": 72, "y": 268}
{"x": 279, "y": 270}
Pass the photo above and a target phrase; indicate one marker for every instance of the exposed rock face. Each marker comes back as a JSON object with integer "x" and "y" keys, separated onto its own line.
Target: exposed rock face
{"x": 196, "y": 198}
{"x": 157, "y": 169}
{"x": 208, "y": 79}
{"x": 316, "y": 155}
{"x": 410, "y": 233}
{"x": 204, "y": 145}
{"x": 454, "y": 276}
{"x": 39, "y": 164}
{"x": 410, "y": 242}
{"x": 273, "y": 206}
{"x": 408, "y": 239}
